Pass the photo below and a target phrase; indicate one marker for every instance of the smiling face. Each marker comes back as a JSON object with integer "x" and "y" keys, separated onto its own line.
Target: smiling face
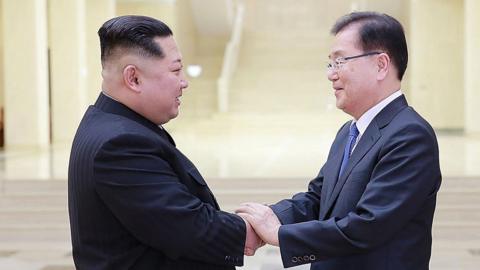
{"x": 354, "y": 82}
{"x": 160, "y": 83}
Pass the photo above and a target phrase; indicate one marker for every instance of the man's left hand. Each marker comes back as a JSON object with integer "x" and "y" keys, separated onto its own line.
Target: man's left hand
{"x": 263, "y": 220}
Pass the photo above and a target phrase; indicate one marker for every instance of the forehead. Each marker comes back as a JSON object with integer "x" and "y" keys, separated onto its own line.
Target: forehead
{"x": 170, "y": 49}
{"x": 345, "y": 42}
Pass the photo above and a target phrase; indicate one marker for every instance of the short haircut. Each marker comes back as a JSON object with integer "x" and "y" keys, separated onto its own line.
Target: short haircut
{"x": 378, "y": 31}
{"x": 132, "y": 33}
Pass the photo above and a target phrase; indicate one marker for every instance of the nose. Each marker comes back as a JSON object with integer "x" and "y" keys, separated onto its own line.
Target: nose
{"x": 332, "y": 74}
{"x": 183, "y": 81}
{"x": 184, "y": 84}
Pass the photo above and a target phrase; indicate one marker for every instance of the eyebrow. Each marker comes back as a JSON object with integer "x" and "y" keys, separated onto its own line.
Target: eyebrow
{"x": 335, "y": 54}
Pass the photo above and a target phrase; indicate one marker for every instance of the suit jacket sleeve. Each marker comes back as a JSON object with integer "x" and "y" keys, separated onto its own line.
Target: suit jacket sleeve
{"x": 139, "y": 186}
{"x": 404, "y": 178}
{"x": 303, "y": 206}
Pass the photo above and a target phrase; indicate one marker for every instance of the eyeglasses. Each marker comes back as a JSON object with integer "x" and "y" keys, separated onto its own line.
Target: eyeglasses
{"x": 337, "y": 63}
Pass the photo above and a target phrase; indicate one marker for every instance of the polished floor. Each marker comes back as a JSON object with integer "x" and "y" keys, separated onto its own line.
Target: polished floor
{"x": 244, "y": 159}
{"x": 248, "y": 146}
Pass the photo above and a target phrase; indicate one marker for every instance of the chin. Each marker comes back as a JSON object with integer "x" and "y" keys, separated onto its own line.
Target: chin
{"x": 339, "y": 105}
{"x": 173, "y": 115}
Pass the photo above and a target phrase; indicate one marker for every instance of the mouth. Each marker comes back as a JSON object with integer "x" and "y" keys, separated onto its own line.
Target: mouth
{"x": 177, "y": 99}
{"x": 337, "y": 90}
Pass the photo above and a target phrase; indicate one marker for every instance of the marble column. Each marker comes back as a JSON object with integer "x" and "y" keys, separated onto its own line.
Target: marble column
{"x": 67, "y": 67}
{"x": 25, "y": 73}
{"x": 437, "y": 62}
{"x": 97, "y": 12}
{"x": 472, "y": 66}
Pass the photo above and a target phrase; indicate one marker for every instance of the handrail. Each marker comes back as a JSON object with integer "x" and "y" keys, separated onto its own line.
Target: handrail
{"x": 230, "y": 59}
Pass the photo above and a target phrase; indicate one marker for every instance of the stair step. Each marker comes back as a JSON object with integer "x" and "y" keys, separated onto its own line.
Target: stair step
{"x": 55, "y": 235}
{"x": 32, "y": 216}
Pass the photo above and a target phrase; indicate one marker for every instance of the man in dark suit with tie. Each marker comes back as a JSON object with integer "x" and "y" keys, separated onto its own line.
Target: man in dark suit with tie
{"x": 371, "y": 206}
{"x": 135, "y": 201}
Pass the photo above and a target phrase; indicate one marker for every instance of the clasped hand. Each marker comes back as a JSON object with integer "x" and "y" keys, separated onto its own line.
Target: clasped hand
{"x": 262, "y": 226}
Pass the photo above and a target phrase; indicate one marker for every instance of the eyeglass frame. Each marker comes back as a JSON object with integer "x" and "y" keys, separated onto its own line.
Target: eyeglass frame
{"x": 338, "y": 62}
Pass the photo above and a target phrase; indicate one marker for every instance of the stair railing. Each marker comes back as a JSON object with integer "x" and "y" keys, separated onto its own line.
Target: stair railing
{"x": 230, "y": 59}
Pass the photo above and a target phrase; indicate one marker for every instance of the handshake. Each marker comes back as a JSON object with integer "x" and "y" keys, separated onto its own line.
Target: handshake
{"x": 262, "y": 226}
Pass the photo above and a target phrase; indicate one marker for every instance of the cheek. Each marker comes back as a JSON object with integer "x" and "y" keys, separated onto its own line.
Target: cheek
{"x": 353, "y": 81}
{"x": 171, "y": 84}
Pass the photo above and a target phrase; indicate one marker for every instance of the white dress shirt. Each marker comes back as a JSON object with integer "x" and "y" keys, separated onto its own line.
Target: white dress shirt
{"x": 367, "y": 117}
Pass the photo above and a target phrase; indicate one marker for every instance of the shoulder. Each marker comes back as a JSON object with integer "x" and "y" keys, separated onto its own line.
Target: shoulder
{"x": 99, "y": 130}
{"x": 108, "y": 125}
{"x": 408, "y": 121}
{"x": 409, "y": 131}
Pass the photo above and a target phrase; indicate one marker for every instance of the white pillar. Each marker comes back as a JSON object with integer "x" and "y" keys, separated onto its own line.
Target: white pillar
{"x": 25, "y": 73}
{"x": 472, "y": 66}
{"x": 436, "y": 62}
{"x": 97, "y": 12}
{"x": 67, "y": 66}
{"x": 2, "y": 103}
{"x": 1, "y": 59}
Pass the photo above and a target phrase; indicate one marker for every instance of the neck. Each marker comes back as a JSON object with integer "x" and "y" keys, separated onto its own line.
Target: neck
{"x": 379, "y": 98}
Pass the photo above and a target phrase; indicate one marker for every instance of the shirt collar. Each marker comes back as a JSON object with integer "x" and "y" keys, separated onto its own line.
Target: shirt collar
{"x": 367, "y": 117}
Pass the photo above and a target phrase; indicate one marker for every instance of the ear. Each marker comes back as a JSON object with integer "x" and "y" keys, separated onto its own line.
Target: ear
{"x": 130, "y": 78}
{"x": 383, "y": 66}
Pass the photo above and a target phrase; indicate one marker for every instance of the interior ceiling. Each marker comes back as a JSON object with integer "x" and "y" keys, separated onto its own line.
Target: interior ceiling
{"x": 214, "y": 17}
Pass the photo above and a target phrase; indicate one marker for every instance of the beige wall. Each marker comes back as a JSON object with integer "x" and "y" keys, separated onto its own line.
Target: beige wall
{"x": 162, "y": 11}
{"x": 405, "y": 21}
{"x": 472, "y": 66}
{"x": 25, "y": 73}
{"x": 437, "y": 61}
{"x": 1, "y": 58}
{"x": 66, "y": 33}
{"x": 185, "y": 32}
{"x": 177, "y": 16}
{"x": 74, "y": 60}
{"x": 97, "y": 12}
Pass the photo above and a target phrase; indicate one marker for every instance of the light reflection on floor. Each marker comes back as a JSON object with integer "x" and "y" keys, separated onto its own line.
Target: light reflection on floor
{"x": 275, "y": 153}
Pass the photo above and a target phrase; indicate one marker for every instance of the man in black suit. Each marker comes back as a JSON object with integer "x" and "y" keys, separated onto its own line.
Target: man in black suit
{"x": 371, "y": 206}
{"x": 135, "y": 201}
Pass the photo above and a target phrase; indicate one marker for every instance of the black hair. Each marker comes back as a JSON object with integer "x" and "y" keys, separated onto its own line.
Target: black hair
{"x": 378, "y": 31}
{"x": 131, "y": 32}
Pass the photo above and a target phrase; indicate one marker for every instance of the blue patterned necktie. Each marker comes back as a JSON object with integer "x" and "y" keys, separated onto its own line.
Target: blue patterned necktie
{"x": 352, "y": 137}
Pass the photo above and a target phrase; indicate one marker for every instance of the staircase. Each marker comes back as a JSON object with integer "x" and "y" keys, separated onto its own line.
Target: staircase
{"x": 281, "y": 66}
{"x": 280, "y": 82}
{"x": 34, "y": 229}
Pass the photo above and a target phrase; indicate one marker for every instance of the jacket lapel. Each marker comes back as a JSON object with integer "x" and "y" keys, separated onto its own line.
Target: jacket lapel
{"x": 329, "y": 185}
{"x": 369, "y": 138}
{"x": 334, "y": 163}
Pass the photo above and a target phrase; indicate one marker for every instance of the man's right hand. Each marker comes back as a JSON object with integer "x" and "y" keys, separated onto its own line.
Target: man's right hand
{"x": 252, "y": 241}
{"x": 262, "y": 219}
